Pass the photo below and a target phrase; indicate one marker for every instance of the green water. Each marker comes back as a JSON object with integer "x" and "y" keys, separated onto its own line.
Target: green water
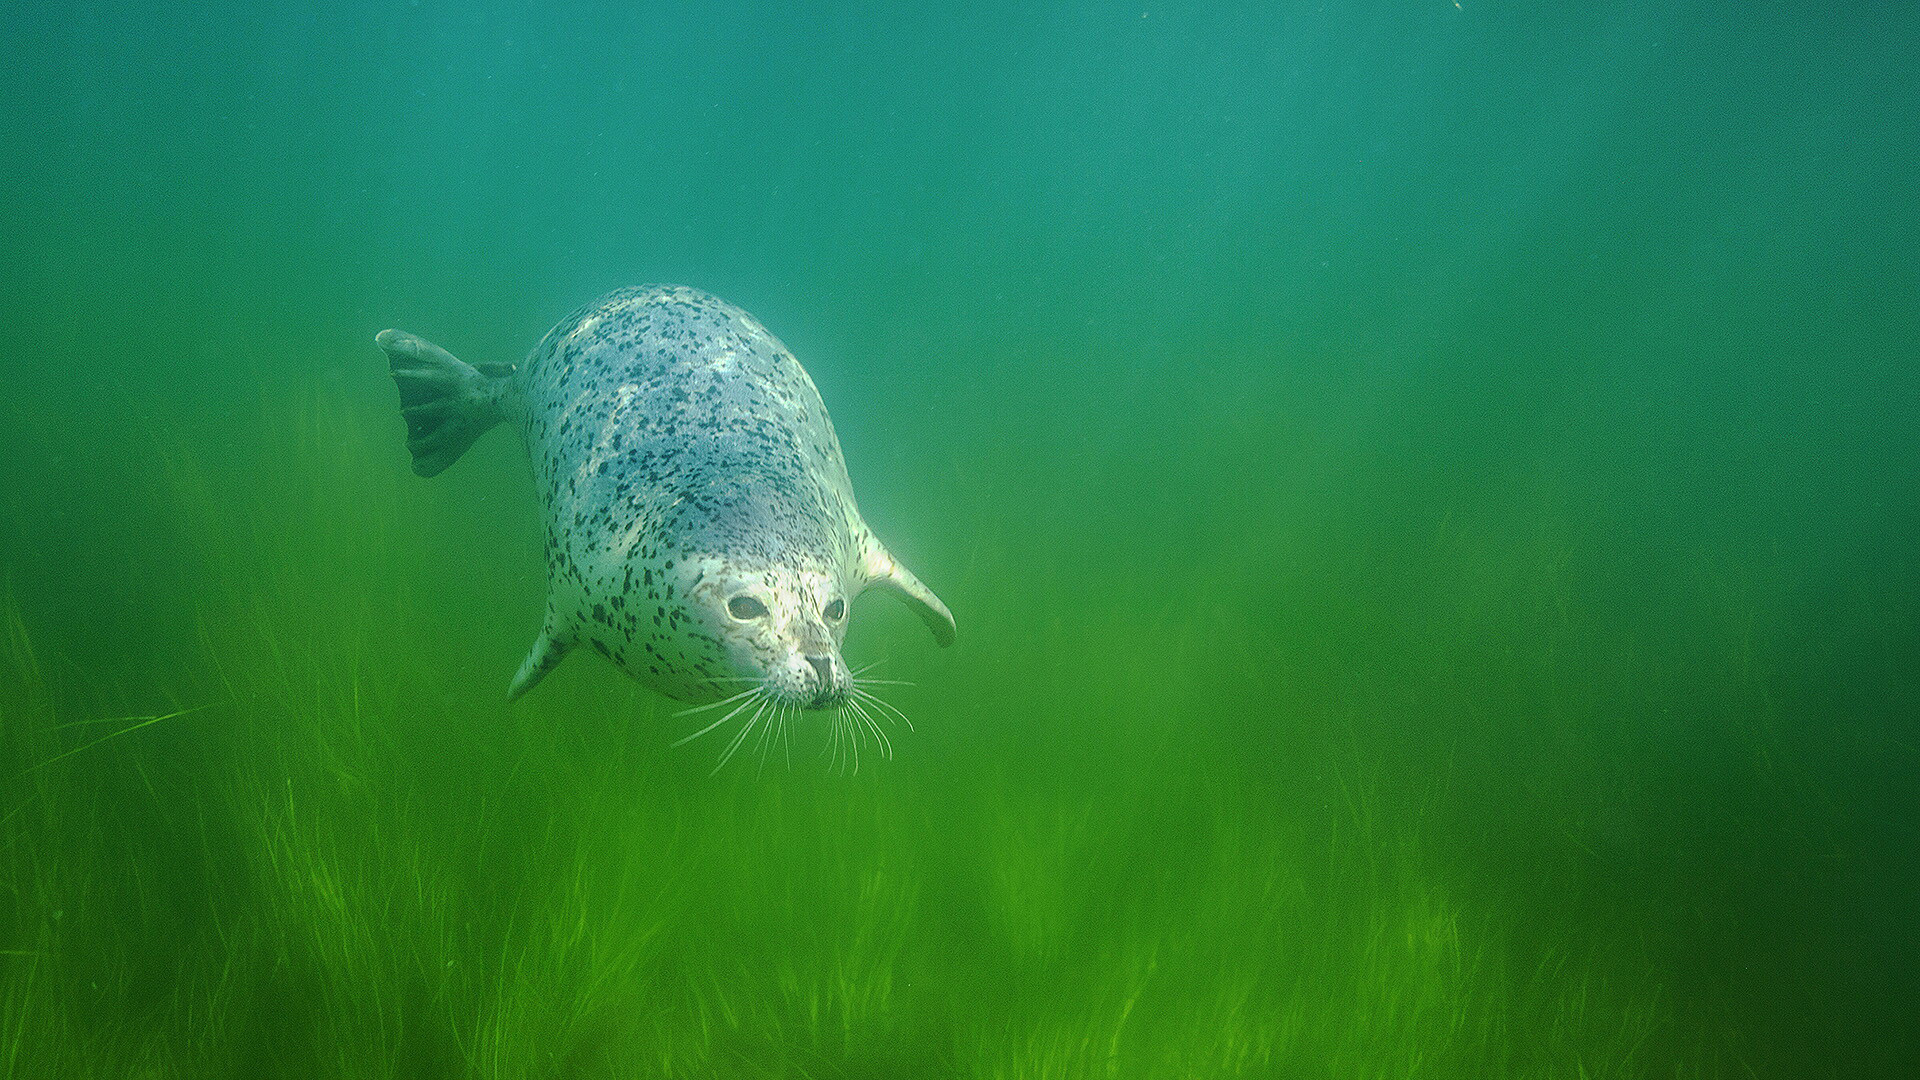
{"x": 1428, "y": 492}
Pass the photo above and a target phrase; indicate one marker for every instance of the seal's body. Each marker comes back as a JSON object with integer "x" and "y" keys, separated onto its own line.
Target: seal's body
{"x": 701, "y": 531}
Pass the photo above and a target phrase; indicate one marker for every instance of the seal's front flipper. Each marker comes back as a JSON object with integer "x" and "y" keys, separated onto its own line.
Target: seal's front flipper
{"x": 447, "y": 403}
{"x": 883, "y": 571}
{"x": 547, "y": 653}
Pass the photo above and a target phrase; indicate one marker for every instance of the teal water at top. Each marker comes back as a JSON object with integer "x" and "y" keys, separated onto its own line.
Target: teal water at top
{"x": 1519, "y": 393}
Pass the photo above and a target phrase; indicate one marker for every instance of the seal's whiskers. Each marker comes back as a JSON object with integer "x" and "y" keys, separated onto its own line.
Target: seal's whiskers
{"x": 857, "y": 718}
{"x": 887, "y": 708}
{"x": 736, "y": 711}
{"x": 769, "y": 735}
{"x": 786, "y": 734}
{"x": 880, "y": 737}
{"x": 844, "y": 747}
{"x": 714, "y": 704}
{"x": 741, "y": 736}
{"x": 833, "y": 738}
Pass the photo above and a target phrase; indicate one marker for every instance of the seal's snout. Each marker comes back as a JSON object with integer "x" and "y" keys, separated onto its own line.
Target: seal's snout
{"x": 829, "y": 681}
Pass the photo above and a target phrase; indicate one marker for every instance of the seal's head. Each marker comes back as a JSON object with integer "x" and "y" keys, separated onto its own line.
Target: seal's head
{"x": 777, "y": 626}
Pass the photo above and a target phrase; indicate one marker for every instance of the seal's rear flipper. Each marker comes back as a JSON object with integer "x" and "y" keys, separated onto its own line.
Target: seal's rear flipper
{"x": 547, "y": 653}
{"x": 448, "y": 404}
{"x": 883, "y": 571}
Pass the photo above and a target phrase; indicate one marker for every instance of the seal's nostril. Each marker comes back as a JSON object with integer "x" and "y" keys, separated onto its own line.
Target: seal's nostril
{"x": 823, "y": 667}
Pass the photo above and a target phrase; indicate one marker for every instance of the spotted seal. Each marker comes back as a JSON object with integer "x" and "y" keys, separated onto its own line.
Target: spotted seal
{"x": 701, "y": 531}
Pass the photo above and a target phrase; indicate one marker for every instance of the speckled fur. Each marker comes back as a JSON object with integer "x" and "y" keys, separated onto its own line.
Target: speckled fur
{"x": 684, "y": 458}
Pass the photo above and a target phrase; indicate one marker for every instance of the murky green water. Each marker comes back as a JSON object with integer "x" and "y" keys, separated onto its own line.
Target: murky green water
{"x": 1428, "y": 493}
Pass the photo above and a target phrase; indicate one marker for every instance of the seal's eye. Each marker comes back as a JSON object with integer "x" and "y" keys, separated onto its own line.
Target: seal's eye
{"x": 745, "y": 608}
{"x": 835, "y": 610}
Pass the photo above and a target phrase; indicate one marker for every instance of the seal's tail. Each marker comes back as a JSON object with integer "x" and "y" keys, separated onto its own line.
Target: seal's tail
{"x": 447, "y": 403}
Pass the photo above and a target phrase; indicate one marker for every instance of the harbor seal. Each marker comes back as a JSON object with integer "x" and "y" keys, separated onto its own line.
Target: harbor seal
{"x": 701, "y": 530}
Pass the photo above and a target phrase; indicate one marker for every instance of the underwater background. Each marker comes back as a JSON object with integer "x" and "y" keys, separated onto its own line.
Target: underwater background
{"x": 1428, "y": 492}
